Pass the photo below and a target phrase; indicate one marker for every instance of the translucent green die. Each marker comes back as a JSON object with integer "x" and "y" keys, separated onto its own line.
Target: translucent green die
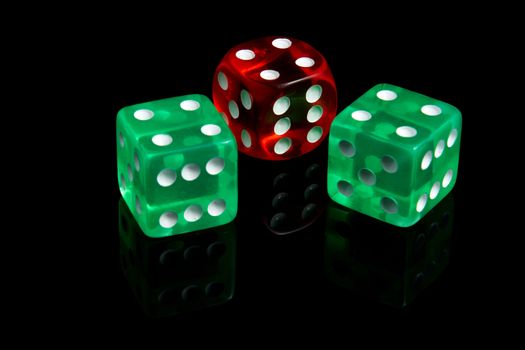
{"x": 393, "y": 154}
{"x": 177, "y": 165}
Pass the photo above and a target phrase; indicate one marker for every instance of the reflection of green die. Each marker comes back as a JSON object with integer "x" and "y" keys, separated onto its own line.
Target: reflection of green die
{"x": 177, "y": 165}
{"x": 181, "y": 273}
{"x": 388, "y": 264}
{"x": 393, "y": 154}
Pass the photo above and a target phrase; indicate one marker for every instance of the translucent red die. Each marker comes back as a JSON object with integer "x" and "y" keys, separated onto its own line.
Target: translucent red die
{"x": 277, "y": 95}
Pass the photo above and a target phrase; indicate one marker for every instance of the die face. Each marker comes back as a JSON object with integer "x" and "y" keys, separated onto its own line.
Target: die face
{"x": 177, "y": 165}
{"x": 278, "y": 96}
{"x": 393, "y": 154}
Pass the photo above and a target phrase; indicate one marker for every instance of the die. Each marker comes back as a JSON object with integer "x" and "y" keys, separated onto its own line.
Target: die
{"x": 393, "y": 154}
{"x": 181, "y": 273}
{"x": 177, "y": 165}
{"x": 387, "y": 264}
{"x": 277, "y": 95}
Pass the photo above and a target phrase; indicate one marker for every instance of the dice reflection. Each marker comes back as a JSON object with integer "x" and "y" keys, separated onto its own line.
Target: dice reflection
{"x": 388, "y": 264}
{"x": 177, "y": 274}
{"x": 285, "y": 196}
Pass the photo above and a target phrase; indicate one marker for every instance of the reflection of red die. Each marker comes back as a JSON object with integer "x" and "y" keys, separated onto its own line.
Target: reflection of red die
{"x": 277, "y": 95}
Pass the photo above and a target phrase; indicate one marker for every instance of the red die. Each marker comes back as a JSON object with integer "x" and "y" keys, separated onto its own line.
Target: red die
{"x": 277, "y": 95}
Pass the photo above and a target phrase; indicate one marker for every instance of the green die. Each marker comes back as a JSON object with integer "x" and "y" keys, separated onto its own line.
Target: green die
{"x": 393, "y": 154}
{"x": 177, "y": 165}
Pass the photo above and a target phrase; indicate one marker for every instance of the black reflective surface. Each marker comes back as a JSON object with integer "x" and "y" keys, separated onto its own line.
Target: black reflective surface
{"x": 335, "y": 267}
{"x": 294, "y": 265}
{"x": 369, "y": 259}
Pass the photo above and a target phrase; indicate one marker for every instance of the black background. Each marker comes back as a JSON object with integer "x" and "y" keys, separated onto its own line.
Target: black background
{"x": 154, "y": 57}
